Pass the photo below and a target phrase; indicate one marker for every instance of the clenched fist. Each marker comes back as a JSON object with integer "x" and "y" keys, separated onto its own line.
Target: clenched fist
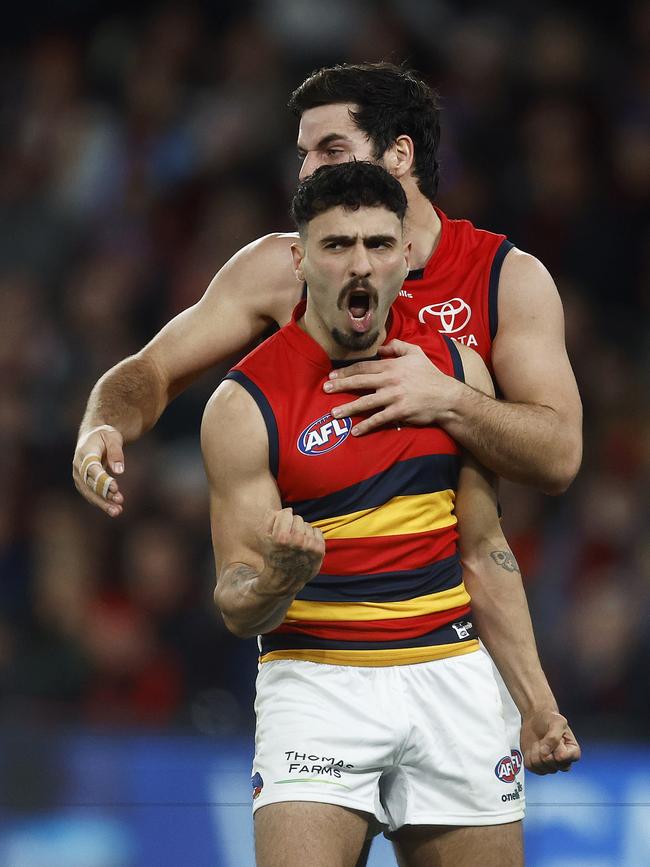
{"x": 293, "y": 552}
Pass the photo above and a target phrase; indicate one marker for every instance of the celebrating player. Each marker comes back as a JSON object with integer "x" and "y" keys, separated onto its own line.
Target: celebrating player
{"x": 376, "y": 707}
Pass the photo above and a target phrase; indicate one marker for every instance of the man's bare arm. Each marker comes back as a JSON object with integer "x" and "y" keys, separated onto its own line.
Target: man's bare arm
{"x": 254, "y": 288}
{"x": 534, "y": 436}
{"x": 500, "y": 608}
{"x": 264, "y": 554}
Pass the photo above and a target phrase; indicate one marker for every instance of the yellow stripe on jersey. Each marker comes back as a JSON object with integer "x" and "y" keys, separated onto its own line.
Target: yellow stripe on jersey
{"x": 365, "y": 658}
{"x": 417, "y": 513}
{"x": 301, "y": 609}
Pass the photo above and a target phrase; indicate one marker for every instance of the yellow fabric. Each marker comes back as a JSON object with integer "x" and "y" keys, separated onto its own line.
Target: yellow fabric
{"x": 301, "y": 609}
{"x": 376, "y": 658}
{"x": 417, "y": 513}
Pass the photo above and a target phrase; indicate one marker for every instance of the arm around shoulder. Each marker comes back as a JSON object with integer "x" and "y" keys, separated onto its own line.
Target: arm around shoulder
{"x": 254, "y": 287}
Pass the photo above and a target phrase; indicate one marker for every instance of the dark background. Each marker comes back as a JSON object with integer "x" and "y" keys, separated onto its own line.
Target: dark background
{"x": 139, "y": 151}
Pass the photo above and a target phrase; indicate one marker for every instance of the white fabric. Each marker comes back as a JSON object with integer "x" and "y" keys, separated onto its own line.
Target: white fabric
{"x": 413, "y": 744}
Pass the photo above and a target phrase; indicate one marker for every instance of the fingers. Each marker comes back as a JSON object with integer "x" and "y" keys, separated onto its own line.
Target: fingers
{"x": 557, "y": 726}
{"x": 395, "y": 348}
{"x": 361, "y": 368}
{"x": 375, "y": 421}
{"x": 102, "y": 445}
{"x": 292, "y": 531}
{"x": 556, "y": 751}
{"x": 367, "y": 403}
{"x": 359, "y": 381}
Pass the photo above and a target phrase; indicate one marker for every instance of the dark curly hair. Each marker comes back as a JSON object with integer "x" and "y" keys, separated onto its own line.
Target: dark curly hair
{"x": 391, "y": 101}
{"x": 352, "y": 185}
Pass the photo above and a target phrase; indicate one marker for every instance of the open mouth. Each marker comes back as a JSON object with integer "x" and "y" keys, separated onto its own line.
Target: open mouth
{"x": 359, "y": 305}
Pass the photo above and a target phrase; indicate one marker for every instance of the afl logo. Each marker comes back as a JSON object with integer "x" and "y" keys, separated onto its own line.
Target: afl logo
{"x": 508, "y": 767}
{"x": 323, "y": 435}
{"x": 452, "y": 315}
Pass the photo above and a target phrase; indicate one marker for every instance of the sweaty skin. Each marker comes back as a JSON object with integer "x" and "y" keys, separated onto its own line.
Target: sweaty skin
{"x": 533, "y": 436}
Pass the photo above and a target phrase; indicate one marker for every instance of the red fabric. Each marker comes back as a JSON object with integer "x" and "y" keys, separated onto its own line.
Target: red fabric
{"x": 376, "y": 630}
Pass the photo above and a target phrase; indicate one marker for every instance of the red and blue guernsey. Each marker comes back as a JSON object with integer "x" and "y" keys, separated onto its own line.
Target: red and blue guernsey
{"x": 456, "y": 292}
{"x": 391, "y": 588}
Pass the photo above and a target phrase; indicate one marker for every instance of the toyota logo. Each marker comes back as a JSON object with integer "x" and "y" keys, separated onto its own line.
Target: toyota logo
{"x": 453, "y": 315}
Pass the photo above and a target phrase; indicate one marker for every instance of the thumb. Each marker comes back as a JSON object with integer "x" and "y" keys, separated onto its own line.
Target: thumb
{"x": 395, "y": 348}
{"x": 114, "y": 452}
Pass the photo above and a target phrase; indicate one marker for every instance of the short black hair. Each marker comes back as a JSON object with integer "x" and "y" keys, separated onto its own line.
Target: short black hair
{"x": 391, "y": 100}
{"x": 351, "y": 185}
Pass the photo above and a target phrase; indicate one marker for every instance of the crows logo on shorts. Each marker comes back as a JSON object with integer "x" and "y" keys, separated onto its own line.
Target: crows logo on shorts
{"x": 258, "y": 784}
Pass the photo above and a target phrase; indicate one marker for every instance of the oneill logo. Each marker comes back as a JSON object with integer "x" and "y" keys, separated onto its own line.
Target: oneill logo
{"x": 323, "y": 435}
{"x": 450, "y": 316}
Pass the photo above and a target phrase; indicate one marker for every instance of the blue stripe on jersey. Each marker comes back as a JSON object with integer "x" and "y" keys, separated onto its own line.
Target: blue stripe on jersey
{"x": 267, "y": 414}
{"x": 493, "y": 290}
{"x": 421, "y": 475}
{"x": 442, "y": 635}
{"x": 385, "y": 586}
{"x": 456, "y": 360}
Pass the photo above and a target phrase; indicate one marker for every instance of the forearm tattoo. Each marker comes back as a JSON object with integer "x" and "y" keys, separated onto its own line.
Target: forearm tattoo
{"x": 505, "y": 559}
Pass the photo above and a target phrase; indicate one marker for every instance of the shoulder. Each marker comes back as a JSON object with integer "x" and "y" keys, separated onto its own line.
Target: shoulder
{"x": 261, "y": 274}
{"x": 527, "y": 291}
{"x": 233, "y": 432}
{"x": 271, "y": 251}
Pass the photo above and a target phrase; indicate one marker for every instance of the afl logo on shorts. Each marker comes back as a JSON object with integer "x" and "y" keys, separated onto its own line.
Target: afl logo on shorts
{"x": 323, "y": 435}
{"x": 449, "y": 316}
{"x": 509, "y": 766}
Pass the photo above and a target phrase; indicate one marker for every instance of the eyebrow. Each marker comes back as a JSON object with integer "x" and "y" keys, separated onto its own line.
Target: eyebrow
{"x": 348, "y": 240}
{"x": 327, "y": 140}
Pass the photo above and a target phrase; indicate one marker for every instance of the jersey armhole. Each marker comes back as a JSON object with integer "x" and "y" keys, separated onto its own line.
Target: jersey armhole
{"x": 493, "y": 289}
{"x": 456, "y": 360}
{"x": 267, "y": 414}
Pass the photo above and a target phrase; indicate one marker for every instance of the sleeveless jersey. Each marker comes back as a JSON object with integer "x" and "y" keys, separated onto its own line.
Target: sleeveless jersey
{"x": 391, "y": 589}
{"x": 456, "y": 291}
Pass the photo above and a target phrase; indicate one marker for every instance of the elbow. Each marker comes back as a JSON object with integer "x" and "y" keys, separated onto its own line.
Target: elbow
{"x": 564, "y": 471}
{"x": 230, "y": 617}
{"x": 234, "y": 624}
{"x": 237, "y": 628}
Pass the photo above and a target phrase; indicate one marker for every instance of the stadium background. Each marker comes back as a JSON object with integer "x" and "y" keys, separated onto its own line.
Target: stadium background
{"x": 140, "y": 149}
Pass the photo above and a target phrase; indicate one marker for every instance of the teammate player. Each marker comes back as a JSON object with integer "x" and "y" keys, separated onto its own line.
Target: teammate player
{"x": 468, "y": 283}
{"x": 374, "y": 702}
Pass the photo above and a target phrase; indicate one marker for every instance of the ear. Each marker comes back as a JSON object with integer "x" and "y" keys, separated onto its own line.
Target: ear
{"x": 298, "y": 254}
{"x": 399, "y": 157}
{"x": 407, "y": 255}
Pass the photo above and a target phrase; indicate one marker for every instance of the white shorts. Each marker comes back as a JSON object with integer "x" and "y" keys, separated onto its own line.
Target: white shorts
{"x": 427, "y": 744}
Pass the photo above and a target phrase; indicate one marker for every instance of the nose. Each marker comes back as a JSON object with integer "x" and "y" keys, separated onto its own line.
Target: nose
{"x": 360, "y": 265}
{"x": 308, "y": 167}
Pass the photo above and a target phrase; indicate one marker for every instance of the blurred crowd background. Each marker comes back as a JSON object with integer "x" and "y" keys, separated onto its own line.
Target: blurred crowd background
{"x": 141, "y": 147}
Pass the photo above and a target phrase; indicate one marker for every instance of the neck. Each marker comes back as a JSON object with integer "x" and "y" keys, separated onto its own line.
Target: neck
{"x": 313, "y": 325}
{"x": 421, "y": 225}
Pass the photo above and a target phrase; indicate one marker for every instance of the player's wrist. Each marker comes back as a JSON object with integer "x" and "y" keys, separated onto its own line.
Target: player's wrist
{"x": 455, "y": 402}
{"x": 87, "y": 430}
{"x": 539, "y": 702}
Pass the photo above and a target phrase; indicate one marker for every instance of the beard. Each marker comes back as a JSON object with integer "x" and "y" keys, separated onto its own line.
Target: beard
{"x": 355, "y": 342}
